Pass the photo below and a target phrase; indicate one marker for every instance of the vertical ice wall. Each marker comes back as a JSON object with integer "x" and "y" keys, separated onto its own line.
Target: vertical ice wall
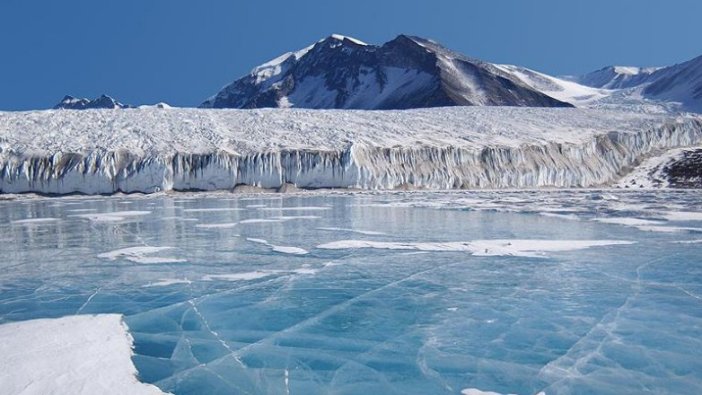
{"x": 599, "y": 161}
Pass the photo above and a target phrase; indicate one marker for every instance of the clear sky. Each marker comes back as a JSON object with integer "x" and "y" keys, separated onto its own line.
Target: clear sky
{"x": 182, "y": 51}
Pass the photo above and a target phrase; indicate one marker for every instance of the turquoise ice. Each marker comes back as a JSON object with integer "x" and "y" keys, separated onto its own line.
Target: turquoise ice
{"x": 585, "y": 292}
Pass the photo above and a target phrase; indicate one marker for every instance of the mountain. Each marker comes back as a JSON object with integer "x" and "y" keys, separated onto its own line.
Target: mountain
{"x": 102, "y": 102}
{"x": 560, "y": 89}
{"x": 679, "y": 84}
{"x": 406, "y": 72}
{"x": 618, "y": 77}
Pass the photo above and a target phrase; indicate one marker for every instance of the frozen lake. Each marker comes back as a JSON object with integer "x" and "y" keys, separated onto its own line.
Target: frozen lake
{"x": 581, "y": 292}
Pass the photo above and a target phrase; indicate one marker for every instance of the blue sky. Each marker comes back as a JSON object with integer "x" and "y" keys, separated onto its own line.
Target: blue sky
{"x": 182, "y": 51}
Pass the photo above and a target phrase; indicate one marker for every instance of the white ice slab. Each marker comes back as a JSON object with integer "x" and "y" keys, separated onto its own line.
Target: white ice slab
{"x": 683, "y": 216}
{"x": 34, "y": 220}
{"x": 527, "y": 248}
{"x": 113, "y": 216}
{"x": 629, "y": 221}
{"x": 83, "y": 354}
{"x": 224, "y": 225}
{"x": 281, "y": 249}
{"x": 139, "y": 255}
{"x": 359, "y": 231}
{"x": 168, "y": 281}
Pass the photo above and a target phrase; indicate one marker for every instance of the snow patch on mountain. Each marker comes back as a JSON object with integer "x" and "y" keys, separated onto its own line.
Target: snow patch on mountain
{"x": 563, "y": 90}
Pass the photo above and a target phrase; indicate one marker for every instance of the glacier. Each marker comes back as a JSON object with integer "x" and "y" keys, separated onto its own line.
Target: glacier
{"x": 151, "y": 149}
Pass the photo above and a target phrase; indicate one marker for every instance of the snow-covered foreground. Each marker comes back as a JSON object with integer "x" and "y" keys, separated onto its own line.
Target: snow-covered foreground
{"x": 507, "y": 292}
{"x": 149, "y": 150}
{"x": 82, "y": 354}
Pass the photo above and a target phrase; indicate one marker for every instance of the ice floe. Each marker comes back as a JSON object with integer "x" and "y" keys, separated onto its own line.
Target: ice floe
{"x": 34, "y": 220}
{"x": 223, "y": 225}
{"x": 140, "y": 255}
{"x": 238, "y": 276}
{"x": 168, "y": 281}
{"x": 683, "y": 216}
{"x": 248, "y": 276}
{"x": 82, "y": 354}
{"x": 281, "y": 249}
{"x": 112, "y": 216}
{"x": 210, "y": 210}
{"x": 524, "y": 248}
{"x": 359, "y": 231}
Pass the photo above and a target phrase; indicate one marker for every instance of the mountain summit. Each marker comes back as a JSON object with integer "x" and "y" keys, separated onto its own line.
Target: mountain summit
{"x": 680, "y": 83}
{"x": 406, "y": 72}
{"x": 103, "y": 102}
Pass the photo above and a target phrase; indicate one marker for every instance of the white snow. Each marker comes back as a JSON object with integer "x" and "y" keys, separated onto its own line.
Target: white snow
{"x": 248, "y": 276}
{"x": 261, "y": 220}
{"x": 211, "y": 210}
{"x": 168, "y": 281}
{"x": 475, "y": 391}
{"x": 238, "y": 276}
{"x": 359, "y": 231}
{"x": 571, "y": 217}
{"x": 525, "y": 248}
{"x": 266, "y": 72}
{"x": 281, "y": 249}
{"x": 289, "y": 250}
{"x": 629, "y": 221}
{"x": 563, "y": 90}
{"x": 139, "y": 255}
{"x": 34, "y": 220}
{"x": 683, "y": 216}
{"x": 668, "y": 229}
{"x": 650, "y": 173}
{"x": 342, "y": 38}
{"x": 83, "y": 354}
{"x": 301, "y": 208}
{"x": 223, "y": 225}
{"x": 148, "y": 150}
{"x": 112, "y": 216}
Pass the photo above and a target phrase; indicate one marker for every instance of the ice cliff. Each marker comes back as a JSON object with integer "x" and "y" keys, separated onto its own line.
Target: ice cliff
{"x": 149, "y": 150}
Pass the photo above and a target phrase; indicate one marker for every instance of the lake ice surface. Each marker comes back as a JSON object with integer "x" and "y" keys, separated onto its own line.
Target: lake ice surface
{"x": 423, "y": 293}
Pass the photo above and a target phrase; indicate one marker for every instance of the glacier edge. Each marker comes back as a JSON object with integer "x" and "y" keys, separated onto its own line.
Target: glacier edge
{"x": 599, "y": 161}
{"x": 103, "y": 152}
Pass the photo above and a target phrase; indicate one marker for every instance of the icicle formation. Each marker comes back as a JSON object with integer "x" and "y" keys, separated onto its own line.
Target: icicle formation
{"x": 598, "y": 160}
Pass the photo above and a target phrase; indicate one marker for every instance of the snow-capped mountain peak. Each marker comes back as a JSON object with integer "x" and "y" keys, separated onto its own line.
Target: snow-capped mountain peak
{"x": 406, "y": 72}
{"x": 340, "y": 37}
{"x": 102, "y": 102}
{"x": 678, "y": 86}
{"x": 617, "y": 77}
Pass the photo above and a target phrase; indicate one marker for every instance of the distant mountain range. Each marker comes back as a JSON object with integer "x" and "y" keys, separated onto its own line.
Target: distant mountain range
{"x": 412, "y": 72}
{"x": 681, "y": 83}
{"x": 102, "y": 102}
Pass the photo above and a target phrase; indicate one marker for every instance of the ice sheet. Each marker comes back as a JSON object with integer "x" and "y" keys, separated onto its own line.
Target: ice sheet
{"x": 239, "y": 317}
